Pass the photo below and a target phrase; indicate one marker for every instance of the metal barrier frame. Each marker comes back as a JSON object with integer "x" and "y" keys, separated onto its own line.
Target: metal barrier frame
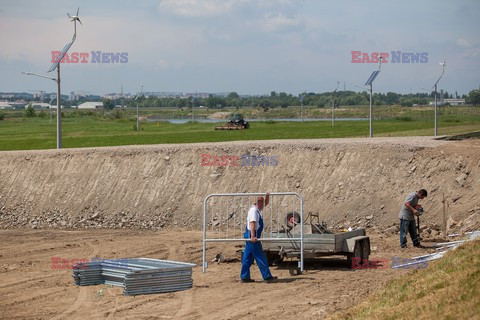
{"x": 205, "y": 240}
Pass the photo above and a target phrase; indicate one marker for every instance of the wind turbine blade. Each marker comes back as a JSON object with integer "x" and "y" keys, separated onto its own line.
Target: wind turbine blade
{"x": 78, "y": 10}
{"x": 68, "y": 14}
{"x": 80, "y": 21}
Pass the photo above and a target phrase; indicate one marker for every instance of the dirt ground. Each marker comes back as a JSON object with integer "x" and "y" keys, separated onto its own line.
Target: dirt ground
{"x": 31, "y": 289}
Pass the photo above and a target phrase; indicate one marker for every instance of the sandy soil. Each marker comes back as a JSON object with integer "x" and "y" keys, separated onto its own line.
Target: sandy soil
{"x": 31, "y": 289}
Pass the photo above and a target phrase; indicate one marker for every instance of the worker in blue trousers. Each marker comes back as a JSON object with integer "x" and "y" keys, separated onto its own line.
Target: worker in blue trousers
{"x": 253, "y": 247}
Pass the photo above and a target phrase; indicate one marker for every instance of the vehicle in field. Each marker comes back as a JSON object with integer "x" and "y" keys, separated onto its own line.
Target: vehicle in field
{"x": 237, "y": 122}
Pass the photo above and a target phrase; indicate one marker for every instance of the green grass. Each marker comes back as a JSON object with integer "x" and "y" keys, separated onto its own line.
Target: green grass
{"x": 17, "y": 133}
{"x": 448, "y": 289}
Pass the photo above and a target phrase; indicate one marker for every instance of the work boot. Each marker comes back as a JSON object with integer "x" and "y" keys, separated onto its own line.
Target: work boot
{"x": 247, "y": 280}
{"x": 270, "y": 280}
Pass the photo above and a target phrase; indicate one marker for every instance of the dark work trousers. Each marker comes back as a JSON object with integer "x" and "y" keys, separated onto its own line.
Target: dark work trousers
{"x": 408, "y": 226}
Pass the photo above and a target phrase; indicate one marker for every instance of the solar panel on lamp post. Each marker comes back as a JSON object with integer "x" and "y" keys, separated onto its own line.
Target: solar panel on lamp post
{"x": 443, "y": 64}
{"x": 333, "y": 104}
{"x": 56, "y": 65}
{"x": 369, "y": 83}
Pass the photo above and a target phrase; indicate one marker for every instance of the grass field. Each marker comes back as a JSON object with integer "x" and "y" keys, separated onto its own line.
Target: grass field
{"x": 448, "y": 289}
{"x": 20, "y": 133}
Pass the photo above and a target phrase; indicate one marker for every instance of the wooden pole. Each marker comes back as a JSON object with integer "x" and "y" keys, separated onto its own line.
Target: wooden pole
{"x": 444, "y": 218}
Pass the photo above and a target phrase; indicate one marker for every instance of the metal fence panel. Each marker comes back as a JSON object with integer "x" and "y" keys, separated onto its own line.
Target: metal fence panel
{"x": 225, "y": 215}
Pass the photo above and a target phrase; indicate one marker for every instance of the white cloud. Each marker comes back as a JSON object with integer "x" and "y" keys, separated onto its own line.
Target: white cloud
{"x": 280, "y": 22}
{"x": 197, "y": 8}
{"x": 464, "y": 43}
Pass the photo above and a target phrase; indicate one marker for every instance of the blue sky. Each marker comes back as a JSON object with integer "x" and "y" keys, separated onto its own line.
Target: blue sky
{"x": 247, "y": 46}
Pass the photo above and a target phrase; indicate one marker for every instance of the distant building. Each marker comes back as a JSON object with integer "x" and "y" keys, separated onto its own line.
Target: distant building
{"x": 91, "y": 105}
{"x": 5, "y": 105}
{"x": 454, "y": 102}
{"x": 77, "y": 95}
{"x": 39, "y": 105}
{"x": 115, "y": 96}
{"x": 18, "y": 105}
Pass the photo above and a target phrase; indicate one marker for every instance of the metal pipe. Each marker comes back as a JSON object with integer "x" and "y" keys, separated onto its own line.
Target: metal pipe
{"x": 435, "y": 113}
{"x": 234, "y": 216}
{"x": 227, "y": 220}
{"x": 204, "y": 266}
{"x": 301, "y": 233}
{"x": 59, "y": 111}
{"x": 371, "y": 127}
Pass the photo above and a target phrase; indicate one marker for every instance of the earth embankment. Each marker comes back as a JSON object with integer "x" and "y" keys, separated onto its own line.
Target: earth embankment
{"x": 349, "y": 182}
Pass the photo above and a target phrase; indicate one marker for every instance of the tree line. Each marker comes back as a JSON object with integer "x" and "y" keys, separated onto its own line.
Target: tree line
{"x": 283, "y": 100}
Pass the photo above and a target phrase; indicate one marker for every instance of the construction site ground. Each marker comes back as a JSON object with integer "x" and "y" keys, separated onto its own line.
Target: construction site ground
{"x": 32, "y": 287}
{"x": 146, "y": 201}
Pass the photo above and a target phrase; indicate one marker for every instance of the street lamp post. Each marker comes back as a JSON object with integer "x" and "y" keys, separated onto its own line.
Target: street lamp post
{"x": 370, "y": 83}
{"x": 56, "y": 65}
{"x": 333, "y": 104}
{"x": 301, "y": 107}
{"x": 443, "y": 64}
{"x": 59, "y": 111}
{"x": 141, "y": 90}
{"x": 59, "y": 114}
{"x": 193, "y": 102}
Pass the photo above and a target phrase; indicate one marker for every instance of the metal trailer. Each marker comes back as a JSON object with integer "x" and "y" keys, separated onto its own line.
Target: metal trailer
{"x": 318, "y": 242}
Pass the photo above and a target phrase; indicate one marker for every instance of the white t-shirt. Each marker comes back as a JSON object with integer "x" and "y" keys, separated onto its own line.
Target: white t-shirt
{"x": 253, "y": 215}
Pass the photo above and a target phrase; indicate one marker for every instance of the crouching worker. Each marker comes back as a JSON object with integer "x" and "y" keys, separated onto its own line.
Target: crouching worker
{"x": 253, "y": 247}
{"x": 407, "y": 220}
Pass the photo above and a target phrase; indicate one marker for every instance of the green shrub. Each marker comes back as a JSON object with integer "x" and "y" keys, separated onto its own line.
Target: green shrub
{"x": 30, "y": 112}
{"x": 404, "y": 118}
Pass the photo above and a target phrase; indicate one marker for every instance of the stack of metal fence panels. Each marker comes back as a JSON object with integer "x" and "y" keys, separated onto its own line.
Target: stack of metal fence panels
{"x": 136, "y": 275}
{"x": 85, "y": 274}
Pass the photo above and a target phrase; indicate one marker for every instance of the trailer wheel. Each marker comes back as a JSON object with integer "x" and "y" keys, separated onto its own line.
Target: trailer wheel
{"x": 273, "y": 258}
{"x": 356, "y": 254}
{"x": 365, "y": 250}
{"x": 295, "y": 271}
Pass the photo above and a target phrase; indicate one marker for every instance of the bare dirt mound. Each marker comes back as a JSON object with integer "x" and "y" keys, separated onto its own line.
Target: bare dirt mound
{"x": 350, "y": 182}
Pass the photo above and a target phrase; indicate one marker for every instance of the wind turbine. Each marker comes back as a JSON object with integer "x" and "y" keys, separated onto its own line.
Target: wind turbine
{"x": 74, "y": 19}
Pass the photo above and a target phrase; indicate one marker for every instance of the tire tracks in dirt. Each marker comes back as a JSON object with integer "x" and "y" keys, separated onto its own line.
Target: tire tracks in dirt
{"x": 82, "y": 295}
